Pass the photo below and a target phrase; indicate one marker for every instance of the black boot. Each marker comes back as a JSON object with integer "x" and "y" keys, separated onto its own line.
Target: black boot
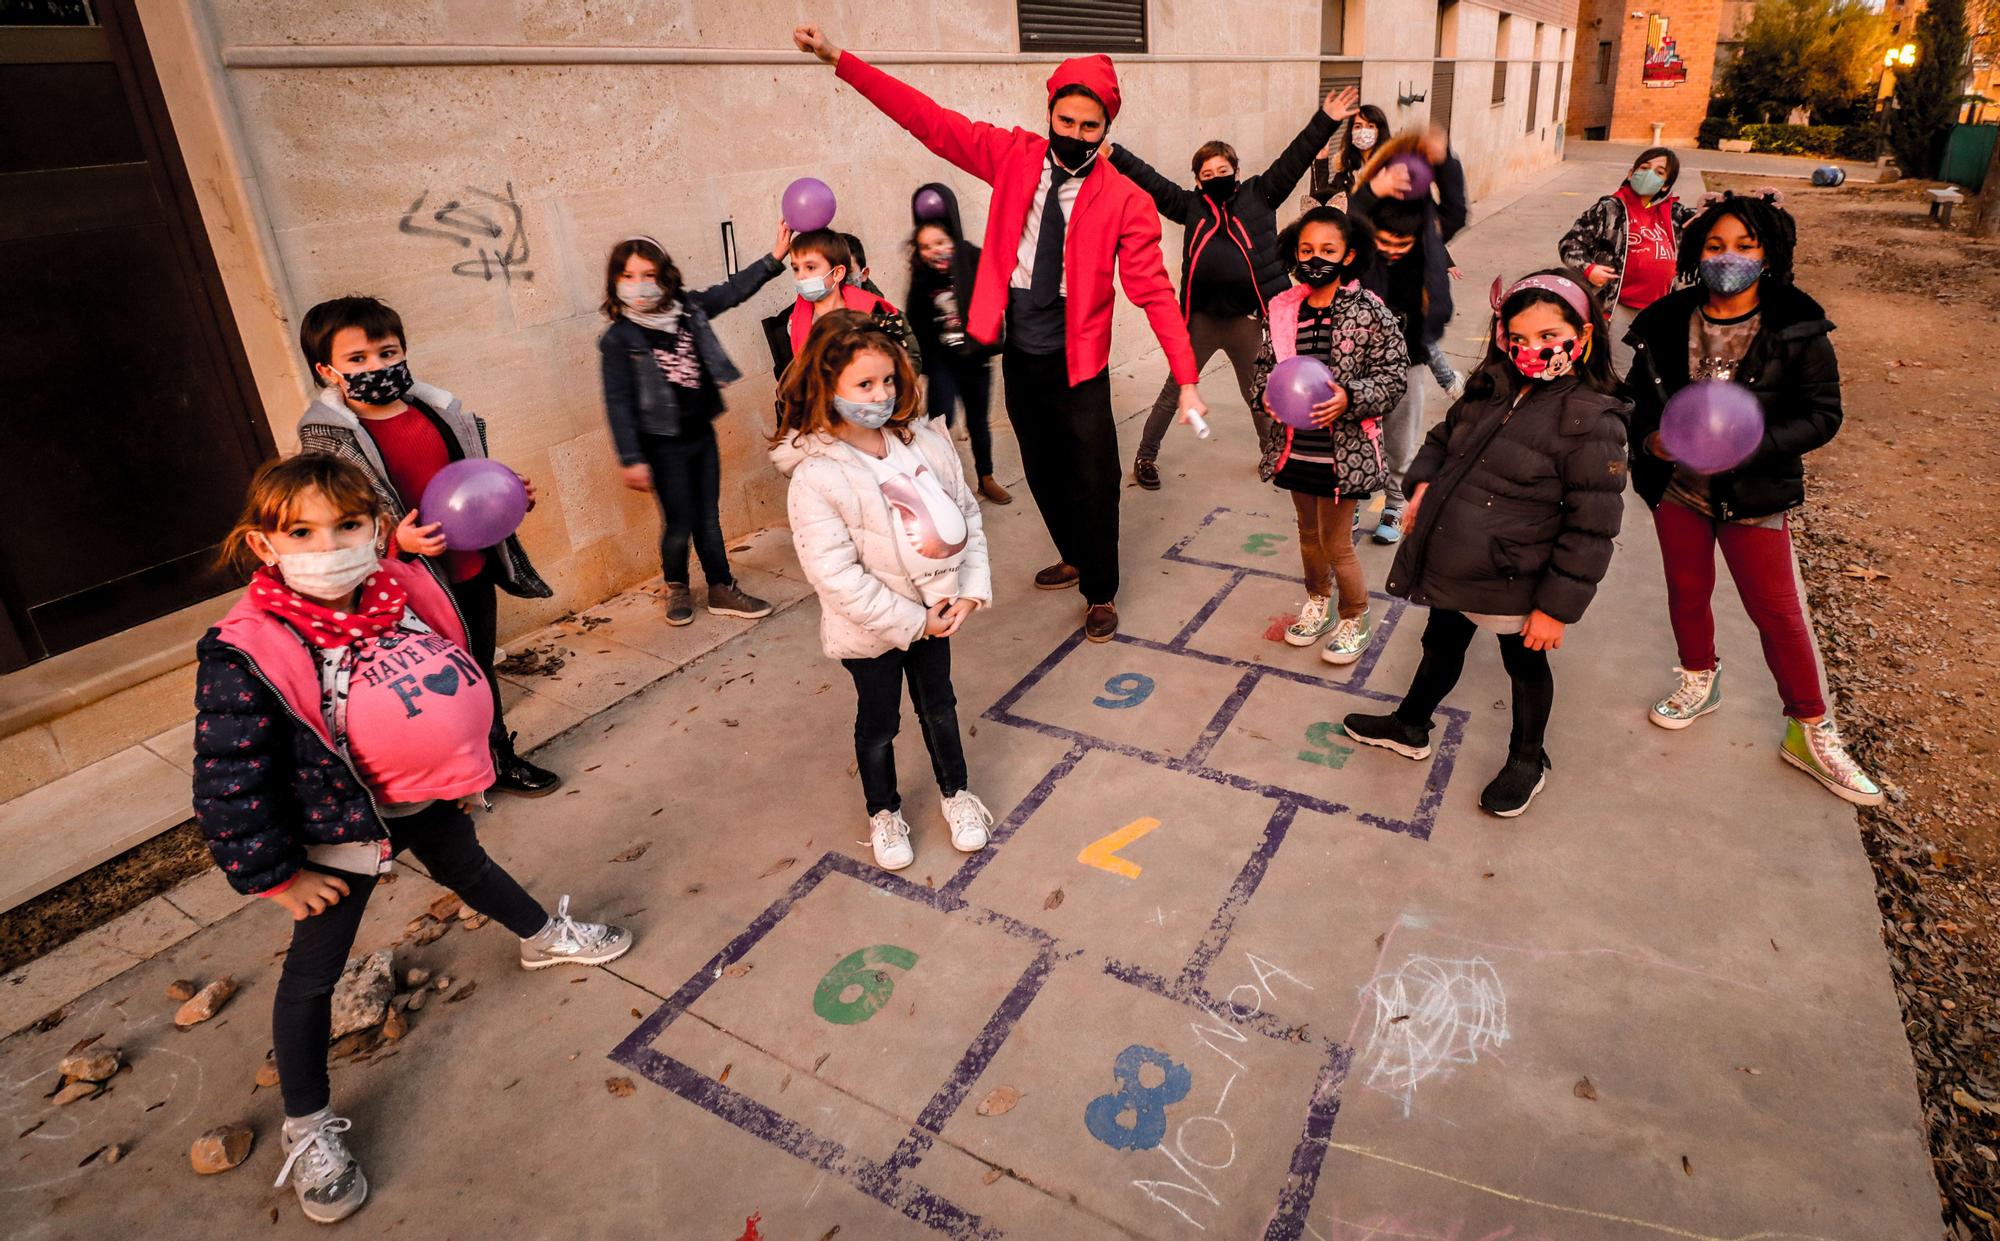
{"x": 520, "y": 777}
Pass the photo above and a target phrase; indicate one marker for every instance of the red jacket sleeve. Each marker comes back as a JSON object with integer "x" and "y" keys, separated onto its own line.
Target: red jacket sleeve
{"x": 1144, "y": 276}
{"x": 975, "y": 146}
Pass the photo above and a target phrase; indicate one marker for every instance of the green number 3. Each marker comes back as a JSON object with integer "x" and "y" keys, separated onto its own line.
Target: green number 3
{"x": 861, "y": 972}
{"x": 1261, "y": 544}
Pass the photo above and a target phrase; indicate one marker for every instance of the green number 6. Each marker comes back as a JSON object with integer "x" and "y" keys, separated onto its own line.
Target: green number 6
{"x": 863, "y": 973}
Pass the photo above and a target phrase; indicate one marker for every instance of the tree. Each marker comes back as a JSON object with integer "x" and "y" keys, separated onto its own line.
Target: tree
{"x": 1816, "y": 54}
{"x": 1928, "y": 94}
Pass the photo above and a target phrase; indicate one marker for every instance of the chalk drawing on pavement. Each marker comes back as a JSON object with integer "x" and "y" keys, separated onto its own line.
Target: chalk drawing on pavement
{"x": 1430, "y": 1016}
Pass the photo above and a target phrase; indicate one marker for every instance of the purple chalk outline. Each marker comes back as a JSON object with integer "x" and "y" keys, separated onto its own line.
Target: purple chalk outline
{"x": 884, "y": 1180}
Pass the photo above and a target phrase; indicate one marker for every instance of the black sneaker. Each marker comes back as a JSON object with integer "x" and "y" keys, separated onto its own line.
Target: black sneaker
{"x": 1516, "y": 785}
{"x": 1146, "y": 473}
{"x": 516, "y": 775}
{"x": 1390, "y": 732}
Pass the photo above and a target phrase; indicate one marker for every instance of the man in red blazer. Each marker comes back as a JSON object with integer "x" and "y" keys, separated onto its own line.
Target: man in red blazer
{"x": 1045, "y": 278}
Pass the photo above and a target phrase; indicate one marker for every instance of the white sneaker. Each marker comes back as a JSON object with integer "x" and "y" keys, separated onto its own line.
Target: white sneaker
{"x": 566, "y": 941}
{"x": 327, "y": 1178}
{"x": 969, "y": 818}
{"x": 889, "y": 836}
{"x": 1312, "y": 624}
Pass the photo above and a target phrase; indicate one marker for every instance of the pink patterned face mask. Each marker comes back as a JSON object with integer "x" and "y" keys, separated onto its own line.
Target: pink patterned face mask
{"x": 1546, "y": 362}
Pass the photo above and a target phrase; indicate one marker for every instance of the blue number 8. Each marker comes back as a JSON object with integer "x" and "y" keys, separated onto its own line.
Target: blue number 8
{"x": 1127, "y": 689}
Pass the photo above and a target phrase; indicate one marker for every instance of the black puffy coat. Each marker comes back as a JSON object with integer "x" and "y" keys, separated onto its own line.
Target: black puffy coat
{"x": 919, "y": 307}
{"x": 265, "y": 784}
{"x": 1521, "y": 510}
{"x": 1791, "y": 368}
{"x": 1249, "y": 219}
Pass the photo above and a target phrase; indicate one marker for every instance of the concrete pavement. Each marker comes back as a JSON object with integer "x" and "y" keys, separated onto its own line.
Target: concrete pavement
{"x": 1219, "y": 975}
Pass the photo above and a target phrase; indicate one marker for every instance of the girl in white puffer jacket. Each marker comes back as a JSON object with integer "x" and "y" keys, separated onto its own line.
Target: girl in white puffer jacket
{"x": 889, "y": 535}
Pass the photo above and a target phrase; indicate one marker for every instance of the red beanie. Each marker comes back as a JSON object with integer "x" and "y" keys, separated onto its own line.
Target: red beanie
{"x": 1095, "y": 74}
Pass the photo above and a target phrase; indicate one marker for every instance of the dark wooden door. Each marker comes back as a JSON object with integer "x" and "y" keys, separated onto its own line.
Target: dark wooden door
{"x": 1444, "y": 76}
{"x": 129, "y": 425}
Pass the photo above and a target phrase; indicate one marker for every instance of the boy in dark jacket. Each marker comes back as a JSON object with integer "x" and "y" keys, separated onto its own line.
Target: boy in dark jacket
{"x": 1743, "y": 323}
{"x": 1230, "y": 265}
{"x": 372, "y": 413}
{"x": 942, "y": 266}
{"x": 822, "y": 279}
{"x": 664, "y": 371}
{"x": 1514, "y": 503}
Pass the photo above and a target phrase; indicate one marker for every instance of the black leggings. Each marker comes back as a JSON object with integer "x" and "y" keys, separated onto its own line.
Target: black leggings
{"x": 442, "y": 838}
{"x": 1445, "y": 641}
{"x": 878, "y": 689}
{"x": 951, "y": 381}
{"x": 687, "y": 482}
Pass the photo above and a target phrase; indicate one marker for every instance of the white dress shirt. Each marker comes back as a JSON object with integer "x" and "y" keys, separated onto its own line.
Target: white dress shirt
{"x": 1031, "y": 232}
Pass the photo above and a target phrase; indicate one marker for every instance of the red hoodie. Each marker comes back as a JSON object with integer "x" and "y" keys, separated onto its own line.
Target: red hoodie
{"x": 1113, "y": 219}
{"x": 1651, "y": 249}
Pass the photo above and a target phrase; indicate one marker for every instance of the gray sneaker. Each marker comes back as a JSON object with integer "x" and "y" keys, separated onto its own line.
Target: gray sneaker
{"x": 565, "y": 941}
{"x": 680, "y": 604}
{"x": 326, "y": 1177}
{"x": 729, "y": 600}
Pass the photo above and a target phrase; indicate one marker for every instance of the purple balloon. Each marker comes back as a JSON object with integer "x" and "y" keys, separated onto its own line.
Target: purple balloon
{"x": 808, "y": 204}
{"x": 1420, "y": 172}
{"x": 1297, "y": 384}
{"x": 930, "y": 205}
{"x": 479, "y": 501}
{"x": 1712, "y": 426}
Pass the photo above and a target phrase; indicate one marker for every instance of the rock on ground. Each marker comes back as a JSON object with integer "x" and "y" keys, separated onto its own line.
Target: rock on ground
{"x": 91, "y": 1066}
{"x": 205, "y": 1003}
{"x": 221, "y": 1149}
{"x": 361, "y": 997}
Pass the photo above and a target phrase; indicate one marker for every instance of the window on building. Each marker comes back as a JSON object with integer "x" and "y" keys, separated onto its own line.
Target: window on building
{"x": 1603, "y": 63}
{"x": 1502, "y": 41}
{"x": 1333, "y": 27}
{"x": 1447, "y": 29}
{"x": 1534, "y": 93}
{"x": 1111, "y": 26}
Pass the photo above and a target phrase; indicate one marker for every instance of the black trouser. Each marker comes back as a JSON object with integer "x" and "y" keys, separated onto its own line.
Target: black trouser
{"x": 1445, "y": 641}
{"x": 442, "y": 838}
{"x": 687, "y": 481}
{"x": 478, "y": 599}
{"x": 971, "y": 383}
{"x": 1069, "y": 450}
{"x": 878, "y": 690}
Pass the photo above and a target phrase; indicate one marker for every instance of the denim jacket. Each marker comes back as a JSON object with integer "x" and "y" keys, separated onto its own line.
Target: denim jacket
{"x": 637, "y": 397}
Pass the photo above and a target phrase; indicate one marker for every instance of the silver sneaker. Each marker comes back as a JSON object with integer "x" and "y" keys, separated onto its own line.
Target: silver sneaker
{"x": 1699, "y": 693}
{"x": 1312, "y": 624}
{"x": 1350, "y": 639}
{"x": 889, "y": 837}
{"x": 326, "y": 1177}
{"x": 969, "y": 820}
{"x": 565, "y": 941}
{"x": 1816, "y": 749}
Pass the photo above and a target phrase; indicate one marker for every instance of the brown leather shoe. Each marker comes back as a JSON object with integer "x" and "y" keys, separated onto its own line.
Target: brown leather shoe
{"x": 990, "y": 487}
{"x": 1146, "y": 473}
{"x": 1058, "y": 576}
{"x": 1100, "y": 622}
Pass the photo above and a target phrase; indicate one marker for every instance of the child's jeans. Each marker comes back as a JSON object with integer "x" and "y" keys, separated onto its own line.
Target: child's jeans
{"x": 952, "y": 382}
{"x": 1326, "y": 545}
{"x": 1760, "y": 561}
{"x": 1446, "y": 638}
{"x": 878, "y": 689}
{"x": 1402, "y": 435}
{"x": 1441, "y": 368}
{"x": 440, "y": 836}
{"x": 687, "y": 482}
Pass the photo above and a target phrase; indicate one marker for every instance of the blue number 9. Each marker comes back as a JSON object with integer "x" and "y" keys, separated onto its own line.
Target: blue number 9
{"x": 1127, "y": 689}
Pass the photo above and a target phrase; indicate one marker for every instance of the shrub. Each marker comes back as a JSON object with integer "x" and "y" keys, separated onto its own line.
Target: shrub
{"x": 1842, "y": 141}
{"x": 1717, "y": 129}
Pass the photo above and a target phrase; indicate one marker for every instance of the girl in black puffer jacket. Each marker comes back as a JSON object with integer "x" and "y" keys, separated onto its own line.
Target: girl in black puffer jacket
{"x": 1514, "y": 500}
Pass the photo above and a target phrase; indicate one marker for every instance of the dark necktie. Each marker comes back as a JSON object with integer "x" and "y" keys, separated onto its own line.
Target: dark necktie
{"x": 1045, "y": 283}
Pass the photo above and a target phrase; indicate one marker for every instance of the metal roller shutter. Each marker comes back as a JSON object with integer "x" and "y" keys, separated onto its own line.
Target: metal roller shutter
{"x": 1083, "y": 25}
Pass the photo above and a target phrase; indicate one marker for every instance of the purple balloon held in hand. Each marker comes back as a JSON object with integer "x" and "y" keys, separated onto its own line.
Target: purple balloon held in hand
{"x": 1420, "y": 172}
{"x": 1297, "y": 384}
{"x": 1711, "y": 426}
{"x": 808, "y": 204}
{"x": 930, "y": 205}
{"x": 479, "y": 502}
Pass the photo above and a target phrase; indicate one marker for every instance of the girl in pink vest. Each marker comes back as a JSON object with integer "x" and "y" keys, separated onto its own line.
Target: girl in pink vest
{"x": 1335, "y": 463}
{"x": 339, "y": 721}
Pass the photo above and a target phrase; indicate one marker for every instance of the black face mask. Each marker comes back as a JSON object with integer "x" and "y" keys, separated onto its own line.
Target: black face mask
{"x": 1072, "y": 153}
{"x": 1318, "y": 272}
{"x": 1221, "y": 189}
{"x": 380, "y": 387}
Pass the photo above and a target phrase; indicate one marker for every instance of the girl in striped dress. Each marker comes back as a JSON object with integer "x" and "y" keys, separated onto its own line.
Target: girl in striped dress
{"x": 1332, "y": 465}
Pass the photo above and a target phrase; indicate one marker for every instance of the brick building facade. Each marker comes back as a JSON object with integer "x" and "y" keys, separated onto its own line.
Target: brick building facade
{"x": 1641, "y": 66}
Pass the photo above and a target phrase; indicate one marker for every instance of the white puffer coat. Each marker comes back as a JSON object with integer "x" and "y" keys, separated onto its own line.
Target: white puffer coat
{"x": 849, "y": 543}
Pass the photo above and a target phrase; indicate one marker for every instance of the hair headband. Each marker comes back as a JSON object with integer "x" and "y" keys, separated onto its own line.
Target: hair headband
{"x": 1568, "y": 290}
{"x": 648, "y": 238}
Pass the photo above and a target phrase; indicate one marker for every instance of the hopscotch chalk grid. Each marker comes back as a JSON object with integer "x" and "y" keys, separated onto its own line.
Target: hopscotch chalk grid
{"x": 870, "y": 971}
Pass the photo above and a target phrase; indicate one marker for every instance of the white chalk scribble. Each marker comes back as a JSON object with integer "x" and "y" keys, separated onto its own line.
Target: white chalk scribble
{"x": 1431, "y": 1015}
